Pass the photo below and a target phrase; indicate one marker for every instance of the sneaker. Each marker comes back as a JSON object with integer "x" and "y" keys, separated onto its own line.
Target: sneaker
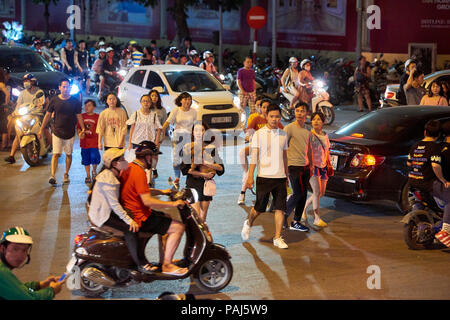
{"x": 321, "y": 224}
{"x": 66, "y": 178}
{"x": 280, "y": 243}
{"x": 155, "y": 174}
{"x": 297, "y": 226}
{"x": 88, "y": 180}
{"x": 52, "y": 181}
{"x": 443, "y": 237}
{"x": 241, "y": 200}
{"x": 10, "y": 159}
{"x": 245, "y": 233}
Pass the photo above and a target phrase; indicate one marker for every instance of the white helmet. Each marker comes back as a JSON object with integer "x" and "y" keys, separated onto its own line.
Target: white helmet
{"x": 304, "y": 61}
{"x": 207, "y": 54}
{"x": 293, "y": 59}
{"x": 408, "y": 62}
{"x": 193, "y": 53}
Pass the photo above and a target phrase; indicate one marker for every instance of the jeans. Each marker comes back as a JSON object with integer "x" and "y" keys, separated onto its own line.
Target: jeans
{"x": 299, "y": 177}
{"x": 444, "y": 194}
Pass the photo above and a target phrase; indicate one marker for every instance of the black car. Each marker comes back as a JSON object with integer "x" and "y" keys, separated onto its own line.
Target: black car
{"x": 20, "y": 61}
{"x": 369, "y": 155}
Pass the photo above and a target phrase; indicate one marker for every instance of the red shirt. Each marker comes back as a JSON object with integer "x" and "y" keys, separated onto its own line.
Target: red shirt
{"x": 134, "y": 183}
{"x": 90, "y": 139}
{"x": 259, "y": 122}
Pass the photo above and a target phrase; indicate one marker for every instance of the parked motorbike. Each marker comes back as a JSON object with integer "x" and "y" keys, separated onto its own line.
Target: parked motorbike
{"x": 108, "y": 87}
{"x": 28, "y": 120}
{"x": 101, "y": 259}
{"x": 423, "y": 222}
{"x": 320, "y": 102}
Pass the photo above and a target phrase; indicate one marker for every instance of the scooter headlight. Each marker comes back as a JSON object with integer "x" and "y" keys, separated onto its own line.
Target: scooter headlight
{"x": 15, "y": 92}
{"x": 75, "y": 89}
{"x": 222, "y": 77}
{"x": 320, "y": 84}
{"x": 19, "y": 123}
{"x": 22, "y": 111}
{"x": 123, "y": 73}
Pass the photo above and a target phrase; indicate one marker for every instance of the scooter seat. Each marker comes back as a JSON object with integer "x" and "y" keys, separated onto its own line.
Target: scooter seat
{"x": 110, "y": 231}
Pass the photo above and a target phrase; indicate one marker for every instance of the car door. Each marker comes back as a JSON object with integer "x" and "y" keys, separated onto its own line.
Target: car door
{"x": 134, "y": 90}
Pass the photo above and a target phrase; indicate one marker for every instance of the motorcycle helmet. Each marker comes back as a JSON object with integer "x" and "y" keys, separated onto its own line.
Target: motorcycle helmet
{"x": 109, "y": 49}
{"x": 16, "y": 235}
{"x": 29, "y": 77}
{"x": 293, "y": 60}
{"x": 304, "y": 62}
{"x": 146, "y": 148}
{"x": 207, "y": 54}
{"x": 193, "y": 53}
{"x": 408, "y": 62}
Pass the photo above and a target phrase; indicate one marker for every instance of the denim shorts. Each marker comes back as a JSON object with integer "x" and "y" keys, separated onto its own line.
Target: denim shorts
{"x": 321, "y": 172}
{"x": 90, "y": 156}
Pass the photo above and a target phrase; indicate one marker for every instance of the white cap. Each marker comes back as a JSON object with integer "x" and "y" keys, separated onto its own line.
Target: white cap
{"x": 101, "y": 50}
{"x": 109, "y": 49}
{"x": 101, "y": 43}
{"x": 111, "y": 154}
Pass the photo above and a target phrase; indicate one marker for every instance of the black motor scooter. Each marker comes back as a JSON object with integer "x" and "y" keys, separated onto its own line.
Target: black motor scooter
{"x": 101, "y": 259}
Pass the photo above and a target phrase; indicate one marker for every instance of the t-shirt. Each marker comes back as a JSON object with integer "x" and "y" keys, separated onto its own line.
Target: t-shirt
{"x": 433, "y": 101}
{"x": 298, "y": 139}
{"x": 134, "y": 183}
{"x": 320, "y": 146}
{"x": 183, "y": 120}
{"x": 114, "y": 66}
{"x": 247, "y": 77}
{"x": 145, "y": 126}
{"x": 443, "y": 159}
{"x": 65, "y": 118}
{"x": 401, "y": 92}
{"x": 136, "y": 56}
{"x": 414, "y": 95}
{"x": 421, "y": 175}
{"x": 26, "y": 97}
{"x": 90, "y": 139}
{"x": 251, "y": 117}
{"x": 271, "y": 143}
{"x": 112, "y": 125}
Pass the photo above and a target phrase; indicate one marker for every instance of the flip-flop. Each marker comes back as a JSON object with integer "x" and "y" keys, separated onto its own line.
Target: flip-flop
{"x": 145, "y": 270}
{"x": 176, "y": 272}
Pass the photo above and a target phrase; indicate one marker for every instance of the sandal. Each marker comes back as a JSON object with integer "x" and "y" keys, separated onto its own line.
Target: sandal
{"x": 146, "y": 268}
{"x": 177, "y": 272}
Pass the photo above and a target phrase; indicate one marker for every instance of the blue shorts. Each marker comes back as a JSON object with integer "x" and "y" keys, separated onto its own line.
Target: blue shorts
{"x": 90, "y": 156}
{"x": 321, "y": 172}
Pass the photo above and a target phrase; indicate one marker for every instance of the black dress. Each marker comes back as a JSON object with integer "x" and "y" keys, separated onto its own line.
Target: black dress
{"x": 198, "y": 183}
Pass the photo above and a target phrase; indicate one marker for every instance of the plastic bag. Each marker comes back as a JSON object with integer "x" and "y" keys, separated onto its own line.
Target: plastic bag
{"x": 130, "y": 155}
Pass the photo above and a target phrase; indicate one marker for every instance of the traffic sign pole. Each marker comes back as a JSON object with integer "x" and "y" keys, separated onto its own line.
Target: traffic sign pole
{"x": 256, "y": 19}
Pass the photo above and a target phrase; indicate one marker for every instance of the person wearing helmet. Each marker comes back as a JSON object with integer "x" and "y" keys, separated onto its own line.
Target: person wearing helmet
{"x": 304, "y": 92}
{"x": 172, "y": 56}
{"x": 186, "y": 46}
{"x": 138, "y": 199}
{"x": 410, "y": 67}
{"x": 110, "y": 67}
{"x": 208, "y": 63}
{"x": 15, "y": 249}
{"x": 289, "y": 80}
{"x": 26, "y": 96}
{"x": 194, "y": 59}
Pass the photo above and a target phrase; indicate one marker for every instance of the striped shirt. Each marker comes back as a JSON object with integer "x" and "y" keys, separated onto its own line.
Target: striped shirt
{"x": 136, "y": 56}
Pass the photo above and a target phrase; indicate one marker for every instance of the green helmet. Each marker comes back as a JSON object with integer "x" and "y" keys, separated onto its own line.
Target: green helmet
{"x": 16, "y": 235}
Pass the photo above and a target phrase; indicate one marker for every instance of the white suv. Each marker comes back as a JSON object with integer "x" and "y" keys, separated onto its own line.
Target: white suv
{"x": 213, "y": 102}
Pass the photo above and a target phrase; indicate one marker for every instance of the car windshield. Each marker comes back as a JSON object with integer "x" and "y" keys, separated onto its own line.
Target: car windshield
{"x": 23, "y": 61}
{"x": 381, "y": 126}
{"x": 192, "y": 81}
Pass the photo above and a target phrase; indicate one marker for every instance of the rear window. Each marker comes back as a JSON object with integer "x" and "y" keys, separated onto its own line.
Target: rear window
{"x": 382, "y": 126}
{"x": 23, "y": 61}
{"x": 192, "y": 81}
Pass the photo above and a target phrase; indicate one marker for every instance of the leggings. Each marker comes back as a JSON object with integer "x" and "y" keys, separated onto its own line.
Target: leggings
{"x": 131, "y": 238}
{"x": 318, "y": 186}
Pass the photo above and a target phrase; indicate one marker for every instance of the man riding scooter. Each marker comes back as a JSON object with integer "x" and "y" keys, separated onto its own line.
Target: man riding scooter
{"x": 137, "y": 198}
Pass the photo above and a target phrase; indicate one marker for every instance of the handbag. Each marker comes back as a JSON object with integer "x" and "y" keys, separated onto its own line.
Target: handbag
{"x": 209, "y": 188}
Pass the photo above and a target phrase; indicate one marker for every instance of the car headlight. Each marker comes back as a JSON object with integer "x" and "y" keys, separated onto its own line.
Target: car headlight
{"x": 15, "y": 92}
{"x": 195, "y": 104}
{"x": 243, "y": 117}
{"x": 22, "y": 111}
{"x": 75, "y": 89}
{"x": 320, "y": 84}
{"x": 236, "y": 101}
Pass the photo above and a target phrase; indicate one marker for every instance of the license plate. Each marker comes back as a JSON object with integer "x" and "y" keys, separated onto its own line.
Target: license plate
{"x": 73, "y": 281}
{"x": 334, "y": 161}
{"x": 221, "y": 119}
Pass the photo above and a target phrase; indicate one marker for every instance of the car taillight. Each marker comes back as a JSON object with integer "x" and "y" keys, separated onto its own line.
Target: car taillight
{"x": 417, "y": 195}
{"x": 366, "y": 160}
{"x": 389, "y": 95}
{"x": 78, "y": 239}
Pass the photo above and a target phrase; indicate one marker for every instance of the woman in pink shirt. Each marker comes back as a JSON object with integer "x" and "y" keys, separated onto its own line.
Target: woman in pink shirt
{"x": 435, "y": 96}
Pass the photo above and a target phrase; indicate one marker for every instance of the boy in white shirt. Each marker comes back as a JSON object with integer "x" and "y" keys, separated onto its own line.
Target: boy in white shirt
{"x": 269, "y": 150}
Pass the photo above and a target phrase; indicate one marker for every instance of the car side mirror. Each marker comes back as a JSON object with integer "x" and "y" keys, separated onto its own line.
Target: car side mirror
{"x": 159, "y": 89}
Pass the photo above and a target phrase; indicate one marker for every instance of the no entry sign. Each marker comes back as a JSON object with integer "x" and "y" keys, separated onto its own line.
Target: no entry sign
{"x": 257, "y": 17}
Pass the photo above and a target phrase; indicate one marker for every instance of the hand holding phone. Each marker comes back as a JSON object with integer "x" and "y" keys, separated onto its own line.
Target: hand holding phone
{"x": 62, "y": 277}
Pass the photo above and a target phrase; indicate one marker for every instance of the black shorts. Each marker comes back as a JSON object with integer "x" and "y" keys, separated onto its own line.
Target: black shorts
{"x": 267, "y": 186}
{"x": 156, "y": 223}
{"x": 197, "y": 184}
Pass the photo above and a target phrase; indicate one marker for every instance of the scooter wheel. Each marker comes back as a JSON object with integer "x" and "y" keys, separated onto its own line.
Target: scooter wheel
{"x": 89, "y": 288}
{"x": 418, "y": 233}
{"x": 214, "y": 274}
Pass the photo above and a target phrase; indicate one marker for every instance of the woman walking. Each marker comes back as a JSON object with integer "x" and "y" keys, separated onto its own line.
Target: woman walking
{"x": 112, "y": 124}
{"x": 319, "y": 161}
{"x": 182, "y": 118}
{"x": 162, "y": 117}
{"x": 202, "y": 168}
{"x": 362, "y": 79}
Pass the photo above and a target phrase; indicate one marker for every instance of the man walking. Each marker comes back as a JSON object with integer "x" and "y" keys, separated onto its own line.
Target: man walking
{"x": 67, "y": 111}
{"x": 269, "y": 151}
{"x": 298, "y": 166}
{"x": 246, "y": 84}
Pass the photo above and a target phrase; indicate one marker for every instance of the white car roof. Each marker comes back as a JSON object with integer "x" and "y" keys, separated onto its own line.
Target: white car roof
{"x": 170, "y": 67}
